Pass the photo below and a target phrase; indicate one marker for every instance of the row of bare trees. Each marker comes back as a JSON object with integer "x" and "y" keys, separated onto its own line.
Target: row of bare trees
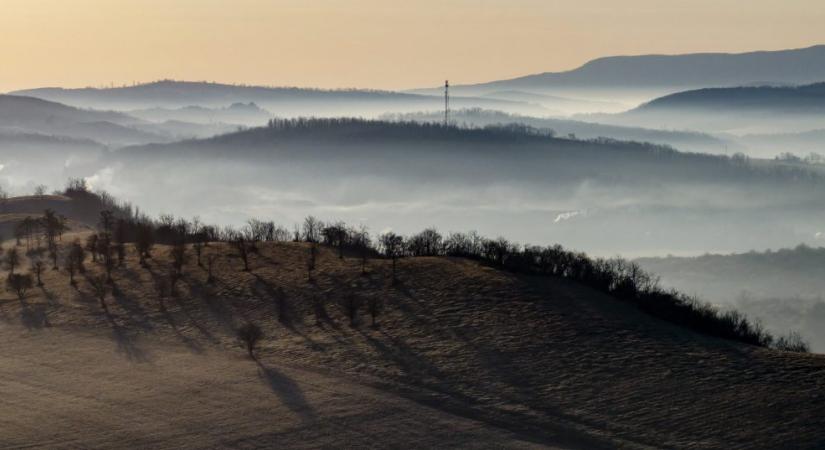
{"x": 621, "y": 279}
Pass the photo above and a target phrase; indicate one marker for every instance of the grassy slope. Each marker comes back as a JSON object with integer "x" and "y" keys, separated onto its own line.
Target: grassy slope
{"x": 503, "y": 359}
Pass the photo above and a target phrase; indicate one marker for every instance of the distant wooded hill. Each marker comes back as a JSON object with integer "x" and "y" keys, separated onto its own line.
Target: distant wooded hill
{"x": 796, "y": 66}
{"x": 682, "y": 140}
{"x": 280, "y": 101}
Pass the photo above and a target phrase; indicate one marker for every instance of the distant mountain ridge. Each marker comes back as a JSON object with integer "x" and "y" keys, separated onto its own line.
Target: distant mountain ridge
{"x": 682, "y": 140}
{"x": 796, "y": 66}
{"x": 738, "y": 110}
{"x": 34, "y": 115}
{"x": 280, "y": 101}
{"x": 802, "y": 99}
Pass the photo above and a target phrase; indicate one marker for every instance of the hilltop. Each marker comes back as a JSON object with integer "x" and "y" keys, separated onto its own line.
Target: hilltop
{"x": 461, "y": 353}
{"x": 673, "y": 72}
{"x": 776, "y": 99}
{"x": 741, "y": 110}
{"x": 280, "y": 101}
{"x": 33, "y": 115}
{"x": 510, "y": 179}
{"x": 689, "y": 141}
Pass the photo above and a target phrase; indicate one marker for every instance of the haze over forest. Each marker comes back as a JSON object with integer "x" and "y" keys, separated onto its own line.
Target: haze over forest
{"x": 668, "y": 196}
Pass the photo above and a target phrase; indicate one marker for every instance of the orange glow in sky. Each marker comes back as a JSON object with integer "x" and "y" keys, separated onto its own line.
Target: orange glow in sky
{"x": 386, "y": 44}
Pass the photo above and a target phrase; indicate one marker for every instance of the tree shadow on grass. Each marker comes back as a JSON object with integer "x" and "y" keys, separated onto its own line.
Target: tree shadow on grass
{"x": 33, "y": 317}
{"x": 137, "y": 314}
{"x": 51, "y": 299}
{"x": 191, "y": 343}
{"x": 287, "y": 391}
{"x": 126, "y": 343}
{"x": 216, "y": 306}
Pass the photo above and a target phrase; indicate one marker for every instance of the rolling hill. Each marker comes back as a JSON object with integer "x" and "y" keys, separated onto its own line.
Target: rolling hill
{"x": 604, "y": 196}
{"x": 236, "y": 113}
{"x": 461, "y": 354}
{"x": 672, "y": 72}
{"x": 681, "y": 140}
{"x": 737, "y": 110}
{"x": 806, "y": 99}
{"x": 282, "y": 102}
{"x": 34, "y": 115}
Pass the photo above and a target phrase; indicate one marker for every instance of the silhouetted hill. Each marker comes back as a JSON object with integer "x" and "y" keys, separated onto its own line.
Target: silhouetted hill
{"x": 461, "y": 355}
{"x": 81, "y": 209}
{"x": 809, "y": 99}
{"x": 18, "y": 137}
{"x": 677, "y": 72}
{"x": 741, "y": 110}
{"x": 35, "y": 115}
{"x": 281, "y": 101}
{"x": 237, "y": 113}
{"x": 555, "y": 104}
{"x": 601, "y": 195}
{"x": 497, "y": 149}
{"x": 682, "y": 140}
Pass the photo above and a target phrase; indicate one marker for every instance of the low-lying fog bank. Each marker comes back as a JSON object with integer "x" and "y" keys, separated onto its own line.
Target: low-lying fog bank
{"x": 603, "y": 197}
{"x": 783, "y": 288}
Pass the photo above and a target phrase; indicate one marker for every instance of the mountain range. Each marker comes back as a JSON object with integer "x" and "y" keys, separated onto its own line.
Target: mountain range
{"x": 672, "y": 72}
{"x": 280, "y": 101}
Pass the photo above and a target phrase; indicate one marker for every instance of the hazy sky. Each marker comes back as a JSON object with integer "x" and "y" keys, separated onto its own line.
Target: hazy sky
{"x": 370, "y": 43}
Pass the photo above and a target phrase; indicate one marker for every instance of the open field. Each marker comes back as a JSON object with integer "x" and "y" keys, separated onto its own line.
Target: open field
{"x": 462, "y": 355}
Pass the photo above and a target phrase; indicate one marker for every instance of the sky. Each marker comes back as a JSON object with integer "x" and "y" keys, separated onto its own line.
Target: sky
{"x": 381, "y": 44}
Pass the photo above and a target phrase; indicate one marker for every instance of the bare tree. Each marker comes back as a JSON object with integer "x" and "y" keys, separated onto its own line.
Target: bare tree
{"x": 100, "y": 287}
{"x": 53, "y": 227}
{"x": 37, "y": 268}
{"x": 144, "y": 240}
{"x": 211, "y": 260}
{"x": 104, "y": 249}
{"x": 312, "y": 229}
{"x": 11, "y": 260}
{"x": 250, "y": 334}
{"x": 311, "y": 260}
{"x": 336, "y": 235}
{"x": 40, "y": 190}
{"x": 27, "y": 229}
{"x": 91, "y": 245}
{"x": 77, "y": 254}
{"x": 106, "y": 223}
{"x": 71, "y": 267}
{"x": 19, "y": 284}
{"x": 362, "y": 243}
{"x": 393, "y": 246}
{"x": 53, "y": 255}
{"x": 119, "y": 237}
{"x": 244, "y": 246}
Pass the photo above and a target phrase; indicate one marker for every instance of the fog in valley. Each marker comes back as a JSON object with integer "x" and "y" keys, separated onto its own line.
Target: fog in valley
{"x": 366, "y": 224}
{"x": 604, "y": 197}
{"x": 610, "y": 172}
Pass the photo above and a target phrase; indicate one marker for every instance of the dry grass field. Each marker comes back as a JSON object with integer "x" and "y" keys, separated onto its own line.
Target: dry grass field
{"x": 461, "y": 355}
